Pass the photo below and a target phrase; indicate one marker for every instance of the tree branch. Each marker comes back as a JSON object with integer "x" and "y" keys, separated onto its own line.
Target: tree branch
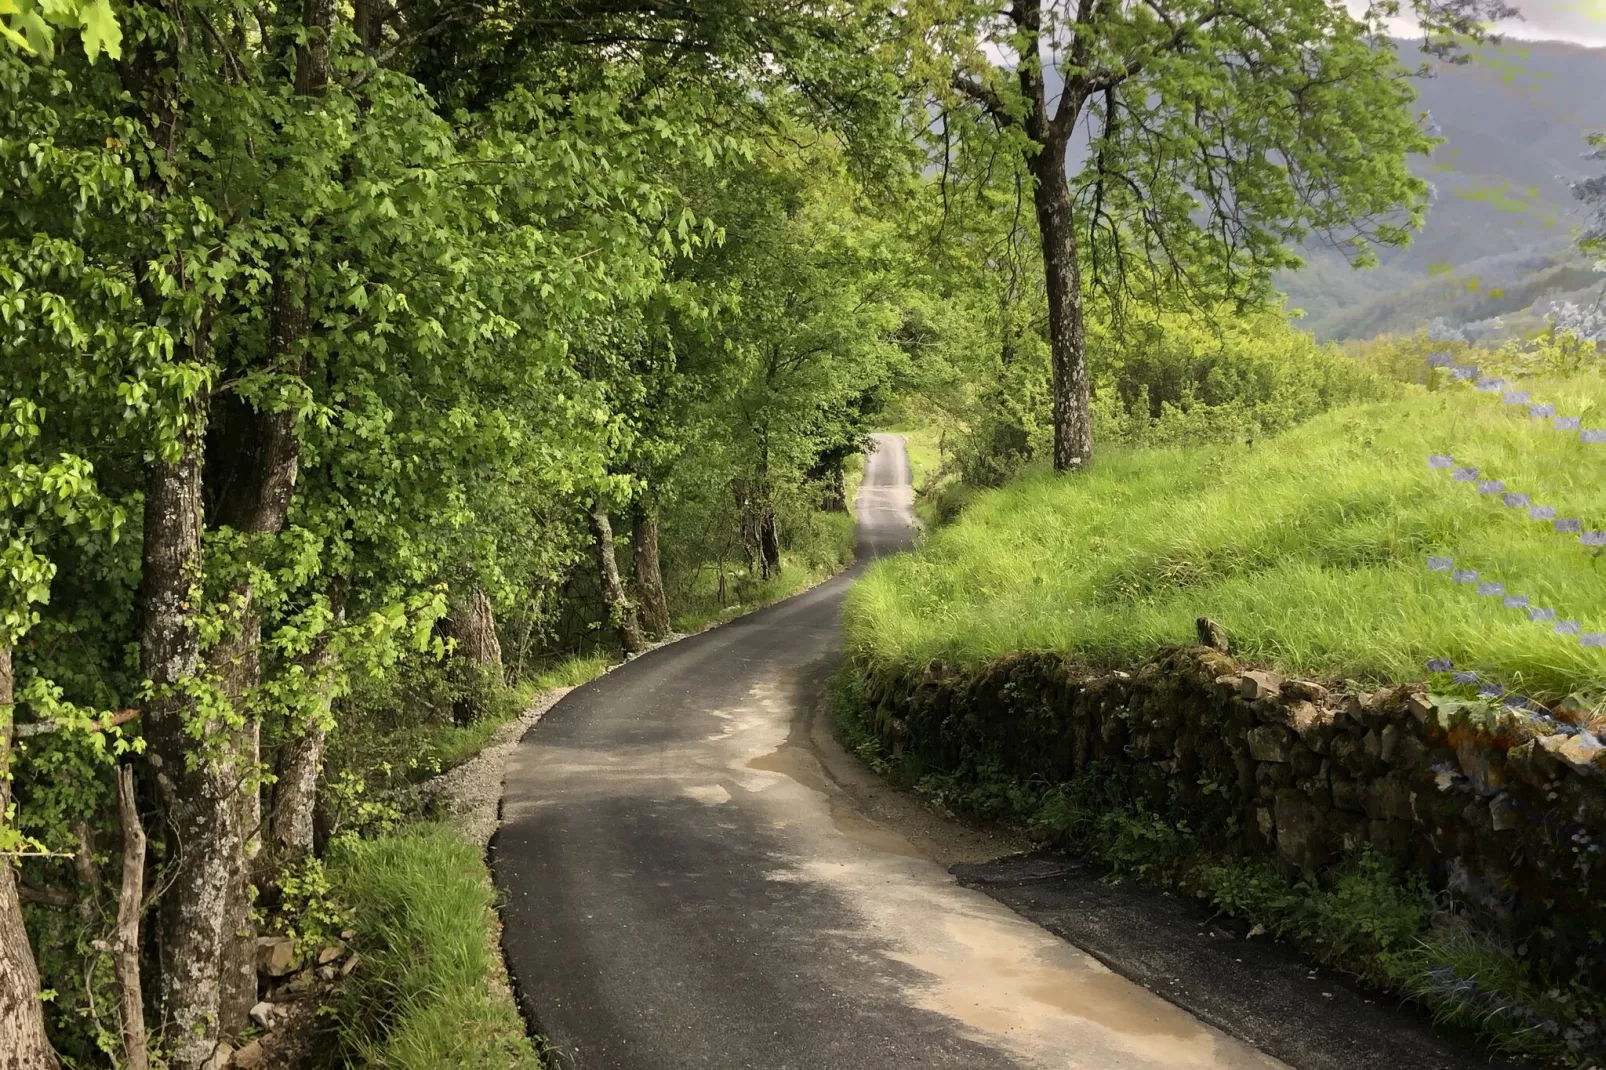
{"x": 44, "y": 728}
{"x": 990, "y": 101}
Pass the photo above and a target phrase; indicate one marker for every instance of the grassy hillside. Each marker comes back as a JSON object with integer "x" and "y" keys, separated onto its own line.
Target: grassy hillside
{"x": 1310, "y": 549}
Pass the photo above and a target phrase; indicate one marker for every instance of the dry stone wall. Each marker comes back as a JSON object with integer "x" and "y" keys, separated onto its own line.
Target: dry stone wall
{"x": 1503, "y": 809}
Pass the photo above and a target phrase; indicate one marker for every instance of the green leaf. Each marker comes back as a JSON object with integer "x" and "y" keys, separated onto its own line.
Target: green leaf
{"x": 100, "y": 29}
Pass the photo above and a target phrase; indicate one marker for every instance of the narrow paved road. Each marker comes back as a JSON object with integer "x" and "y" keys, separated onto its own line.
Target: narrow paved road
{"x": 686, "y": 884}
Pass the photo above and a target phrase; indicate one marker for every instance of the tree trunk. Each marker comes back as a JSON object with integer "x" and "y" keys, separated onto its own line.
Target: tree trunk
{"x": 255, "y": 501}
{"x": 255, "y": 456}
{"x": 834, "y": 499}
{"x": 22, "y": 1022}
{"x": 291, "y": 829}
{"x": 130, "y": 903}
{"x": 1062, "y": 275}
{"x": 769, "y": 542}
{"x": 620, "y": 612}
{"x": 1056, "y": 223}
{"x": 474, "y": 627}
{"x": 649, "y": 578}
{"x": 767, "y": 530}
{"x": 193, "y": 755}
{"x": 478, "y": 656}
{"x": 747, "y": 515}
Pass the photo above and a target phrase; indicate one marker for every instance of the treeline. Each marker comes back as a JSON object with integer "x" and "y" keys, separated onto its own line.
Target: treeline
{"x": 335, "y": 333}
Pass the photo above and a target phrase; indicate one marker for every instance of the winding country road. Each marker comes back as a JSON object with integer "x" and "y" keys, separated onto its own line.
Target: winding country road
{"x": 692, "y": 880}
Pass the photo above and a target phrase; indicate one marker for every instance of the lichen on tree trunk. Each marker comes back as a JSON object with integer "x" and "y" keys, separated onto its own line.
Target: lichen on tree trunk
{"x": 477, "y": 654}
{"x": 653, "y": 604}
{"x": 22, "y": 1026}
{"x": 192, "y": 752}
{"x": 621, "y": 613}
{"x": 291, "y": 824}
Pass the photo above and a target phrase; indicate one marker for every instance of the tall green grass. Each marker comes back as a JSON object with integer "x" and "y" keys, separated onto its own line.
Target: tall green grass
{"x": 428, "y": 992}
{"x": 1309, "y": 548}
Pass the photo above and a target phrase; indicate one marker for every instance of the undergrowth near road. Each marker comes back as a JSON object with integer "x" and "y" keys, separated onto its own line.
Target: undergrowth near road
{"x": 1309, "y": 548}
{"x": 1365, "y": 917}
{"x": 430, "y": 993}
{"x": 822, "y": 547}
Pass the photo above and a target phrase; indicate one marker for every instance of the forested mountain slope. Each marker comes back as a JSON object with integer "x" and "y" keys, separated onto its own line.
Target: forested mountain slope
{"x": 1500, "y": 226}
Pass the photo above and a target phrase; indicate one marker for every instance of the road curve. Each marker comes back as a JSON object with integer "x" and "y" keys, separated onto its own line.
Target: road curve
{"x": 686, "y": 885}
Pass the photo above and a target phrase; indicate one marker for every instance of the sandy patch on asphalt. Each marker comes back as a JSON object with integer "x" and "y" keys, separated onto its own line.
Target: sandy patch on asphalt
{"x": 1009, "y": 982}
{"x": 471, "y": 794}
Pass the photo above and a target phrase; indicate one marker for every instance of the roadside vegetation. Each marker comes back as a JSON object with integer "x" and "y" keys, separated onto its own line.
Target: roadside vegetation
{"x": 1310, "y": 548}
{"x": 431, "y": 992}
{"x": 368, "y": 369}
{"x": 1306, "y": 537}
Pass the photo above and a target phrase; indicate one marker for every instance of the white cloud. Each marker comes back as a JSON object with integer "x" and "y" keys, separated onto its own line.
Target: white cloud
{"x": 1581, "y": 22}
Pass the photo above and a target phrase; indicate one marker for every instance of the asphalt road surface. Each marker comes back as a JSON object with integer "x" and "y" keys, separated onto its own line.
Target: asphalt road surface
{"x": 691, "y": 880}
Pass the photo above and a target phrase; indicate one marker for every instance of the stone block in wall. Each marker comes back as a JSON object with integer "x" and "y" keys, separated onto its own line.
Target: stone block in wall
{"x": 1505, "y": 813}
{"x": 1272, "y": 777}
{"x": 1299, "y": 830}
{"x": 1482, "y": 762}
{"x": 1257, "y": 685}
{"x": 1410, "y": 752}
{"x": 1266, "y": 823}
{"x": 1306, "y": 690}
{"x": 1303, "y": 761}
{"x": 1270, "y": 743}
{"x": 1347, "y": 794}
{"x": 1530, "y": 764}
{"x": 1388, "y": 741}
{"x": 1583, "y": 753}
{"x": 1245, "y": 767}
{"x": 1347, "y": 756}
{"x": 1388, "y": 799}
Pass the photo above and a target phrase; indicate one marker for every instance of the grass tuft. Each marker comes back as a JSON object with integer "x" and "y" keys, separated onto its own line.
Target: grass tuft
{"x": 429, "y": 991}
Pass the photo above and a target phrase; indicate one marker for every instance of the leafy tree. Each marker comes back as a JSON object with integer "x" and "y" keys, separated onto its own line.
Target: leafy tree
{"x": 1183, "y": 147}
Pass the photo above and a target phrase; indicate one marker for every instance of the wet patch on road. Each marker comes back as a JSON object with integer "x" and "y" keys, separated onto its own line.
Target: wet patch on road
{"x": 1259, "y": 990}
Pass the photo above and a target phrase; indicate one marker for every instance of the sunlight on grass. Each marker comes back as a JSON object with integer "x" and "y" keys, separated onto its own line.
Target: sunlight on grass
{"x": 1310, "y": 549}
{"x": 428, "y": 992}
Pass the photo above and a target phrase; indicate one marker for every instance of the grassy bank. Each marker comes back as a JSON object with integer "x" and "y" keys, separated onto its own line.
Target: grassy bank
{"x": 430, "y": 993}
{"x": 1310, "y": 549}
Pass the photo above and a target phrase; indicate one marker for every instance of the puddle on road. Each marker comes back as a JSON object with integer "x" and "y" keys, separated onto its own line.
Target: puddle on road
{"x": 795, "y": 762}
{"x": 855, "y": 826}
{"x": 1000, "y": 978}
{"x": 799, "y": 764}
{"x": 711, "y": 794}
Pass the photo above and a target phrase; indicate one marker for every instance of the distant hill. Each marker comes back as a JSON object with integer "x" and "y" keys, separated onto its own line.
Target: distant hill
{"x": 1497, "y": 246}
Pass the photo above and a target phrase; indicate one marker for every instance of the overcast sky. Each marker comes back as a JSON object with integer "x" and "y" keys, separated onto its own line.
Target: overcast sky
{"x": 1580, "y": 21}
